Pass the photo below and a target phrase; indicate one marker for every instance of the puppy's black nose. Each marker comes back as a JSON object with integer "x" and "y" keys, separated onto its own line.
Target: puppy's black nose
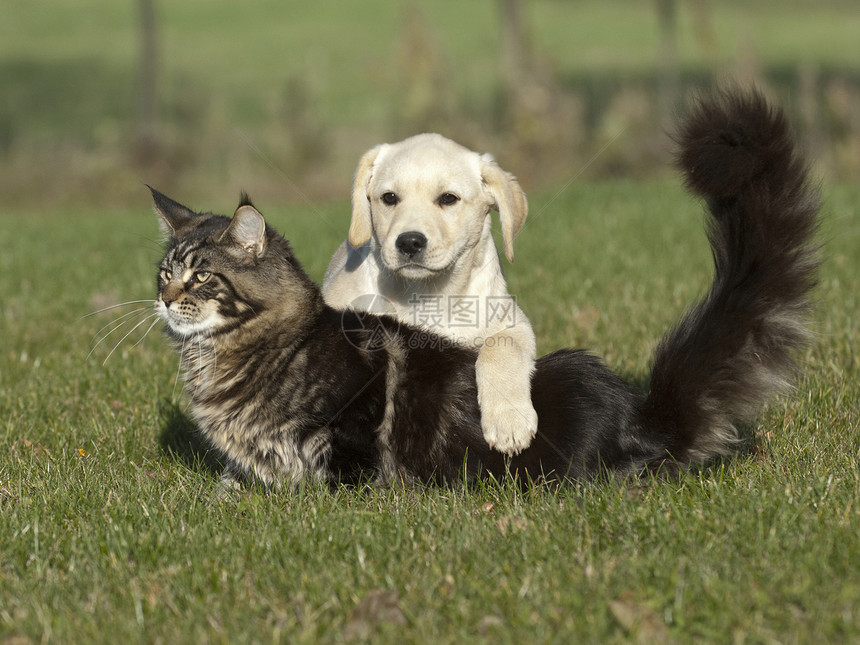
{"x": 411, "y": 243}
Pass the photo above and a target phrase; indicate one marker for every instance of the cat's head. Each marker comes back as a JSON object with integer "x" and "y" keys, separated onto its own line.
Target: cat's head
{"x": 217, "y": 272}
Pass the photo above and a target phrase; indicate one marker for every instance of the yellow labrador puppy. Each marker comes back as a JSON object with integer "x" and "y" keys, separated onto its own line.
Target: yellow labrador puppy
{"x": 420, "y": 237}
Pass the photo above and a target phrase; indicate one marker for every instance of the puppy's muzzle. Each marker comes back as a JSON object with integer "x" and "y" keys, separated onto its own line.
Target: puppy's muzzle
{"x": 411, "y": 243}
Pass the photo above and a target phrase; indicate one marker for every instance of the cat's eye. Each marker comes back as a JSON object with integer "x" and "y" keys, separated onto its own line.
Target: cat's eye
{"x": 389, "y": 198}
{"x": 447, "y": 199}
{"x": 202, "y": 276}
{"x": 166, "y": 275}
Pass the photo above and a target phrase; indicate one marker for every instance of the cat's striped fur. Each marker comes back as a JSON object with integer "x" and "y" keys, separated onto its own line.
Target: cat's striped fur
{"x": 284, "y": 392}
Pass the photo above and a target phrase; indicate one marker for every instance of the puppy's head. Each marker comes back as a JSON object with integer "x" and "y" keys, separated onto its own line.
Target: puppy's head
{"x": 426, "y": 201}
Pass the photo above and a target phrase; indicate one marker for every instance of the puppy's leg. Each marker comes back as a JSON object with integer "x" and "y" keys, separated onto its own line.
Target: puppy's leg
{"x": 503, "y": 373}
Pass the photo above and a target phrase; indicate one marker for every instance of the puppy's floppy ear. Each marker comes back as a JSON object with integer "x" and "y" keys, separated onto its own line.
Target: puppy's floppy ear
{"x": 509, "y": 199}
{"x": 361, "y": 227}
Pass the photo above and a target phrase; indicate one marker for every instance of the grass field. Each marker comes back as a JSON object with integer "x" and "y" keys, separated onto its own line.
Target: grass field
{"x": 111, "y": 533}
{"x": 110, "y": 526}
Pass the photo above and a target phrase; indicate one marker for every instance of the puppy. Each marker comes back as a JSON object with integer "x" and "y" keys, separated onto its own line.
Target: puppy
{"x": 420, "y": 237}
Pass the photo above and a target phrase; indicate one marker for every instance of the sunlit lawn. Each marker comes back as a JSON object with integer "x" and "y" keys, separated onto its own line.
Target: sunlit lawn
{"x": 111, "y": 532}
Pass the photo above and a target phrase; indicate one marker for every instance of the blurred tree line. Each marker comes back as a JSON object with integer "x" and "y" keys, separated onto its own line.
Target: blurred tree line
{"x": 544, "y": 125}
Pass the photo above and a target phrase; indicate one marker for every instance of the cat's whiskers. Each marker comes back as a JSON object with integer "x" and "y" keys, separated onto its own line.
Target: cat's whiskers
{"x": 149, "y": 329}
{"x": 117, "y": 306}
{"x": 212, "y": 359}
{"x": 195, "y": 356}
{"x": 147, "y": 318}
{"x": 200, "y": 379}
{"x": 179, "y": 366}
{"x": 115, "y": 324}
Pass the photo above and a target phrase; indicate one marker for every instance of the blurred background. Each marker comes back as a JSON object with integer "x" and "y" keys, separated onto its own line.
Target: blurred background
{"x": 203, "y": 98}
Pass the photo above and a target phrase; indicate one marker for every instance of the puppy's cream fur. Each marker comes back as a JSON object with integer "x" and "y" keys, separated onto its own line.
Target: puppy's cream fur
{"x": 432, "y": 186}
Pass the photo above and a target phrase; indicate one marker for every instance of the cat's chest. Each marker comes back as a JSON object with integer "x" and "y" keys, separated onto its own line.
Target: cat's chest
{"x": 248, "y": 412}
{"x": 270, "y": 450}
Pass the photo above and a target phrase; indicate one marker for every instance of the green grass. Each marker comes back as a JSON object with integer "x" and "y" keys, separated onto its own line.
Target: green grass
{"x": 107, "y": 536}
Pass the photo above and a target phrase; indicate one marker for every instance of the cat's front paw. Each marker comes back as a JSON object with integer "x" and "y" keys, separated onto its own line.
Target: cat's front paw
{"x": 509, "y": 422}
{"x": 229, "y": 485}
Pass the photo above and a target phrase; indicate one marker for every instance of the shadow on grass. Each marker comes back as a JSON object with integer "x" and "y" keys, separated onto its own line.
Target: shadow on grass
{"x": 181, "y": 440}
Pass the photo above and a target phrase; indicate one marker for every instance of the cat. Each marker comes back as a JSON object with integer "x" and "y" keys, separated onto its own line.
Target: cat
{"x": 287, "y": 388}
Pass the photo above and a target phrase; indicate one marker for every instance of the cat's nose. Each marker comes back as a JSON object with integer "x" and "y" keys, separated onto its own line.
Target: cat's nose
{"x": 171, "y": 293}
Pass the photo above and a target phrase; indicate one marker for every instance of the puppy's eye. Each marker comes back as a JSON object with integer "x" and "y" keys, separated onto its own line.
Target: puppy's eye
{"x": 446, "y": 199}
{"x": 202, "y": 276}
{"x": 390, "y": 199}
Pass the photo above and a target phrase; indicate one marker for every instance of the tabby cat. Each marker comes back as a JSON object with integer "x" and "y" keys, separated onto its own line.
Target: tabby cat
{"x": 288, "y": 388}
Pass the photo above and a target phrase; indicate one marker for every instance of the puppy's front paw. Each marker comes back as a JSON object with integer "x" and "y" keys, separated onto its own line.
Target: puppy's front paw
{"x": 509, "y": 422}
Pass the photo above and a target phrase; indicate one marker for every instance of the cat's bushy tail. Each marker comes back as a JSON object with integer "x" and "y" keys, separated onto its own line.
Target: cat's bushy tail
{"x": 733, "y": 350}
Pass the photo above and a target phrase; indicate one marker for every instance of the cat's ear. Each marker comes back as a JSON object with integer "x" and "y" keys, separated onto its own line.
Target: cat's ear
{"x": 174, "y": 218}
{"x": 247, "y": 230}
